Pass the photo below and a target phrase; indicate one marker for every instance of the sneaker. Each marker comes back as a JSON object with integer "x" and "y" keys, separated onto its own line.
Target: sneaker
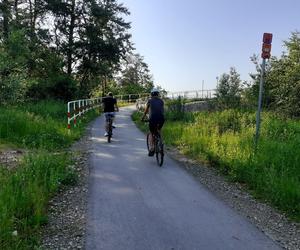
{"x": 113, "y": 125}
{"x": 106, "y": 134}
{"x": 151, "y": 153}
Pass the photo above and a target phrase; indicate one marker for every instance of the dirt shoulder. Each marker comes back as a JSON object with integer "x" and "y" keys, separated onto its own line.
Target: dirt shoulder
{"x": 9, "y": 158}
{"x": 67, "y": 210}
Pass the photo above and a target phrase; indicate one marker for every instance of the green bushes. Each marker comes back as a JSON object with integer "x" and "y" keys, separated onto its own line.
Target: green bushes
{"x": 226, "y": 139}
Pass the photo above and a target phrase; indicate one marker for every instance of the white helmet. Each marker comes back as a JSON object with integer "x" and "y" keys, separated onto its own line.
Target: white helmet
{"x": 154, "y": 90}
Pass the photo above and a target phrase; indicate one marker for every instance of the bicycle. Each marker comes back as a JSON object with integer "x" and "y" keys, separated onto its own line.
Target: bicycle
{"x": 158, "y": 146}
{"x": 109, "y": 120}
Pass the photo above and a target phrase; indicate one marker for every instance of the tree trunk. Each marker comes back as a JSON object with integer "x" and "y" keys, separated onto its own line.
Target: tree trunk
{"x": 6, "y": 15}
{"x": 71, "y": 39}
{"x": 16, "y": 10}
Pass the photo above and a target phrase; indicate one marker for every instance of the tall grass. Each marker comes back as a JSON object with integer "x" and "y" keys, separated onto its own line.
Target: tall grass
{"x": 40, "y": 128}
{"x": 226, "y": 139}
{"x": 41, "y": 125}
{"x": 24, "y": 195}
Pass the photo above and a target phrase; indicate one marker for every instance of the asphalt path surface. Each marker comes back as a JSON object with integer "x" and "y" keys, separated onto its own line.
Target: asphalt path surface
{"x": 134, "y": 204}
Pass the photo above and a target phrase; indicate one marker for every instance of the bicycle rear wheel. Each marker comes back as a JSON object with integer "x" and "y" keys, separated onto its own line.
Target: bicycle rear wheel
{"x": 109, "y": 130}
{"x": 148, "y": 142}
{"x": 159, "y": 152}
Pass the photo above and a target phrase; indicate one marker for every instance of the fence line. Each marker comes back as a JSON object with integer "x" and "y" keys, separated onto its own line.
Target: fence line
{"x": 192, "y": 94}
{"x": 77, "y": 108}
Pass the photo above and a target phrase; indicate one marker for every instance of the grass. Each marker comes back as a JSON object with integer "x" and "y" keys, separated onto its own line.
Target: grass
{"x": 226, "y": 140}
{"x": 24, "y": 196}
{"x": 124, "y": 104}
{"x": 39, "y": 128}
{"x": 41, "y": 125}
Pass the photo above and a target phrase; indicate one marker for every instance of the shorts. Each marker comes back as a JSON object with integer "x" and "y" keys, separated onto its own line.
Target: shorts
{"x": 156, "y": 124}
{"x": 109, "y": 114}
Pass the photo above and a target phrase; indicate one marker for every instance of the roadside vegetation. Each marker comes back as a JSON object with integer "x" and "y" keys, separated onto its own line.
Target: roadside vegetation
{"x": 225, "y": 139}
{"x": 39, "y": 129}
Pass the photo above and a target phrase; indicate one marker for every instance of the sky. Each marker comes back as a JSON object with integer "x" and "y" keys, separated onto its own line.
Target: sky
{"x": 189, "y": 43}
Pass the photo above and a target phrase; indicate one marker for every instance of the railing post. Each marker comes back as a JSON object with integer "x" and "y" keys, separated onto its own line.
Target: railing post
{"x": 79, "y": 102}
{"x": 69, "y": 117}
{"x": 75, "y": 113}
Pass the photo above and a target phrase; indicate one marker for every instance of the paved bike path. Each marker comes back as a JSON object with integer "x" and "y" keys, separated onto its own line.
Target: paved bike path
{"x": 134, "y": 204}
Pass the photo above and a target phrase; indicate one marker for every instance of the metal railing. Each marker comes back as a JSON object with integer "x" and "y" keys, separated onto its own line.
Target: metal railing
{"x": 78, "y": 108}
{"x": 199, "y": 95}
{"x": 192, "y": 94}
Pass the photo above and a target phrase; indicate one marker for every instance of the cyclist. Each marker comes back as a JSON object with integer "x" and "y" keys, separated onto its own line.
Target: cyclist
{"x": 109, "y": 105}
{"x": 155, "y": 107}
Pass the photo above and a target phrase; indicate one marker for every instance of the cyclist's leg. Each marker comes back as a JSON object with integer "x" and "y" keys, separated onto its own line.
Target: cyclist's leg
{"x": 106, "y": 122}
{"x": 113, "y": 119}
{"x": 160, "y": 125}
{"x": 152, "y": 129}
{"x": 107, "y": 118}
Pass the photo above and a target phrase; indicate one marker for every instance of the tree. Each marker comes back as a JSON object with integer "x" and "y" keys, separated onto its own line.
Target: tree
{"x": 5, "y": 14}
{"x": 135, "y": 76}
{"x": 82, "y": 47}
{"x": 229, "y": 89}
{"x": 67, "y": 15}
{"x": 13, "y": 67}
{"x": 104, "y": 42}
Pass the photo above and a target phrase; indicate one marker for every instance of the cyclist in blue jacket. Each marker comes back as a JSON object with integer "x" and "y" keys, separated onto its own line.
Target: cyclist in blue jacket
{"x": 155, "y": 108}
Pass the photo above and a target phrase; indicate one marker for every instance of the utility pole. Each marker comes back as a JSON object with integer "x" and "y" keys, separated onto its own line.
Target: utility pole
{"x": 262, "y": 74}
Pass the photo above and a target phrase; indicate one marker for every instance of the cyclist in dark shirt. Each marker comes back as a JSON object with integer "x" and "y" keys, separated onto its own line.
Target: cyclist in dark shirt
{"x": 109, "y": 107}
{"x": 155, "y": 107}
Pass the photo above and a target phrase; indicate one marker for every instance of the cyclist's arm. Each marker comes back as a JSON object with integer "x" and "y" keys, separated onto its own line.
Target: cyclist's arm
{"x": 116, "y": 107}
{"x": 146, "y": 111}
{"x": 101, "y": 107}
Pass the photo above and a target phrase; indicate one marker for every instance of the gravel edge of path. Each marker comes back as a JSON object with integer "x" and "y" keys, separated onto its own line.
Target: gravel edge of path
{"x": 266, "y": 218}
{"x": 67, "y": 210}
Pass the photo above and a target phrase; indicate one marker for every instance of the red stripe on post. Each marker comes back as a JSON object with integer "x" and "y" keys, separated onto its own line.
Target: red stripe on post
{"x": 75, "y": 121}
{"x": 69, "y": 126}
{"x": 69, "y": 114}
